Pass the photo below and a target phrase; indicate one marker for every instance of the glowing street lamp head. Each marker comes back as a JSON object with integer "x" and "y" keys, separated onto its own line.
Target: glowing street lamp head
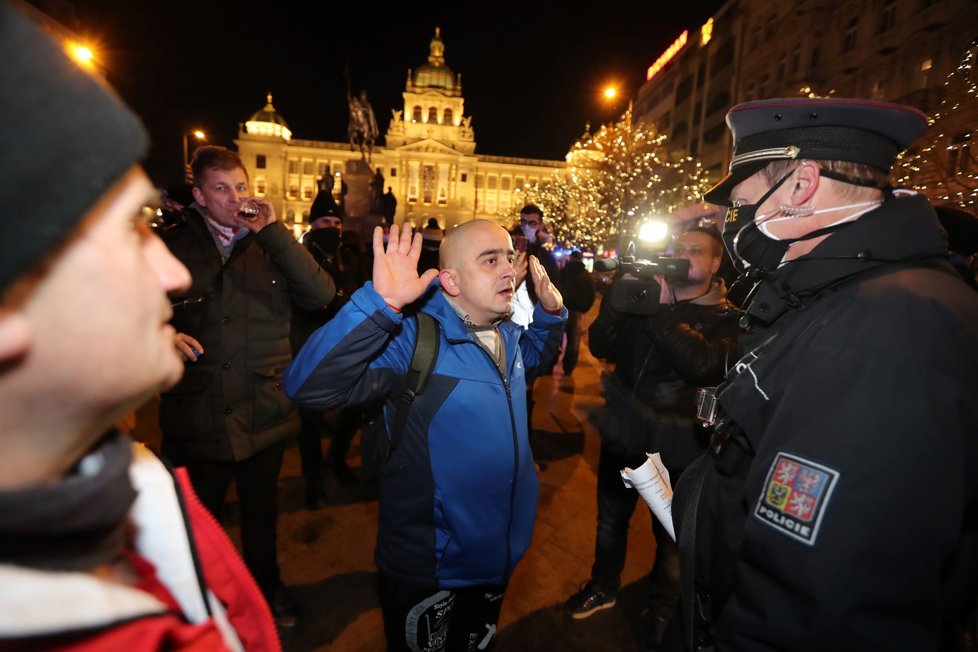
{"x": 199, "y": 135}
{"x": 610, "y": 93}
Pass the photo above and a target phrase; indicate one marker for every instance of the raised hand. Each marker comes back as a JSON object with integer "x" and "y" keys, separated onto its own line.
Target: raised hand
{"x": 547, "y": 293}
{"x": 396, "y": 269}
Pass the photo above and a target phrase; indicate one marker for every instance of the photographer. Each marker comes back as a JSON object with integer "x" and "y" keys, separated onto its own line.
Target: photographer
{"x": 661, "y": 359}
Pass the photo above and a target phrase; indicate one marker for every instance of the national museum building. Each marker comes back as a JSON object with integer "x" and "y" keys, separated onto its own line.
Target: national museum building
{"x": 428, "y": 161}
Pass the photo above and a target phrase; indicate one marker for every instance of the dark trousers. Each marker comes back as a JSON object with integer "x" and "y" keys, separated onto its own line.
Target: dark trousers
{"x": 310, "y": 439}
{"x": 572, "y": 349}
{"x": 439, "y": 620}
{"x": 256, "y": 480}
{"x": 616, "y": 503}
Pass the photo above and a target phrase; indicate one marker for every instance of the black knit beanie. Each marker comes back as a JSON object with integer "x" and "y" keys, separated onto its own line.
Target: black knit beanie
{"x": 65, "y": 136}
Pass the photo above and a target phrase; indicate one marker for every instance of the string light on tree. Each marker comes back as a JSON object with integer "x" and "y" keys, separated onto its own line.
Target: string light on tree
{"x": 944, "y": 166}
{"x": 615, "y": 176}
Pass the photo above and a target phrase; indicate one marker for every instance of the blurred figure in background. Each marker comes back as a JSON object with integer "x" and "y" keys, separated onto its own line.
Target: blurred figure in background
{"x": 577, "y": 288}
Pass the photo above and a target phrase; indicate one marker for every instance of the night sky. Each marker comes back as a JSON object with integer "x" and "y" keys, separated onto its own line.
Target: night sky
{"x": 532, "y": 73}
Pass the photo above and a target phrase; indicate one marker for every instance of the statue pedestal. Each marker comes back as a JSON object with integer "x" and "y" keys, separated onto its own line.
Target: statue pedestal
{"x": 357, "y": 176}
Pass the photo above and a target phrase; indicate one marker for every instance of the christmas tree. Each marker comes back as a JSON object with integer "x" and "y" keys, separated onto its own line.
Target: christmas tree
{"x": 617, "y": 176}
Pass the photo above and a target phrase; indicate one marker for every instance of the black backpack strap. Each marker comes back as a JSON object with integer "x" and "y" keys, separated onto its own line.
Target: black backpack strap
{"x": 422, "y": 365}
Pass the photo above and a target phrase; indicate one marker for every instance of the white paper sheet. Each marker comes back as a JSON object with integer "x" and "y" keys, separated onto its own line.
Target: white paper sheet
{"x": 651, "y": 480}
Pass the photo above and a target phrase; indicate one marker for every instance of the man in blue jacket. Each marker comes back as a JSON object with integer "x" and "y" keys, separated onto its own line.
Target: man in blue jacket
{"x": 458, "y": 494}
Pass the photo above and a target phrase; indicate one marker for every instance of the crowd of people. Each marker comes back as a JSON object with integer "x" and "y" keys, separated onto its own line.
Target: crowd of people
{"x": 819, "y": 430}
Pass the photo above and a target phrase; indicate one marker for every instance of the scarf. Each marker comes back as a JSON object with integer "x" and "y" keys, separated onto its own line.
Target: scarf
{"x": 76, "y": 522}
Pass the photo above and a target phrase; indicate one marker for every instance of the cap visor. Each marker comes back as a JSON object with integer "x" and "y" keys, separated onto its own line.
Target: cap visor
{"x": 720, "y": 193}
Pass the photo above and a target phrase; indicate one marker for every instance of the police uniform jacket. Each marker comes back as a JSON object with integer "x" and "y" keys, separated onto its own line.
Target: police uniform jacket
{"x": 230, "y": 403}
{"x": 839, "y": 514}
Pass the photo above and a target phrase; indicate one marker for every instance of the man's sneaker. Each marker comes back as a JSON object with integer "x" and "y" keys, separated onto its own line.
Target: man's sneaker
{"x": 589, "y": 599}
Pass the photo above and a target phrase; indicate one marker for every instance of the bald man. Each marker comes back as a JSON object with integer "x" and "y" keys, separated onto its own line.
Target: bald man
{"x": 458, "y": 495}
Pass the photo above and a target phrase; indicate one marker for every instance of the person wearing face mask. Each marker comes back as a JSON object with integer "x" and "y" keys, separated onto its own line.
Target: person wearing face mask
{"x": 346, "y": 267}
{"x": 836, "y": 507}
{"x": 228, "y": 419}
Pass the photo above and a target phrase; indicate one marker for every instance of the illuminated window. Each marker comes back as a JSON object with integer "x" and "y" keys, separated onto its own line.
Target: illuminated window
{"x": 446, "y": 117}
{"x": 260, "y": 186}
{"x": 293, "y": 191}
{"x": 306, "y": 192}
{"x": 293, "y": 166}
{"x": 432, "y": 115}
{"x": 308, "y": 167}
{"x": 416, "y": 115}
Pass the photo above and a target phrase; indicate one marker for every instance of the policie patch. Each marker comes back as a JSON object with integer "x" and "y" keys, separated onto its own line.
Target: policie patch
{"x": 796, "y": 494}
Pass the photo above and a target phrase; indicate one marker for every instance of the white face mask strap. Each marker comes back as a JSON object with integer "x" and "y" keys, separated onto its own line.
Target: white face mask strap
{"x": 795, "y": 212}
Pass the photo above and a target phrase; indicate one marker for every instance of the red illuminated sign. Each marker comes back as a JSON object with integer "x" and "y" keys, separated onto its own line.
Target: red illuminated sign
{"x": 670, "y": 52}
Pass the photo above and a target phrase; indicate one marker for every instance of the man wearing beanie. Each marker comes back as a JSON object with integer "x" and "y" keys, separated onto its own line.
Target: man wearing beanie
{"x": 348, "y": 269}
{"x": 101, "y": 545}
{"x": 228, "y": 419}
{"x": 837, "y": 508}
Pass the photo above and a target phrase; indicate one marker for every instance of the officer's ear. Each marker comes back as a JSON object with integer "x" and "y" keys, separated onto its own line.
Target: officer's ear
{"x": 807, "y": 177}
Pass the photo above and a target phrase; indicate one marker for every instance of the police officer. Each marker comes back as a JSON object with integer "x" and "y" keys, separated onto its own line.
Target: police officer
{"x": 837, "y": 507}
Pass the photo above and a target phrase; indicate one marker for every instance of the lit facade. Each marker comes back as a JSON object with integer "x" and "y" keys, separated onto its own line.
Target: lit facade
{"x": 894, "y": 50}
{"x": 428, "y": 160}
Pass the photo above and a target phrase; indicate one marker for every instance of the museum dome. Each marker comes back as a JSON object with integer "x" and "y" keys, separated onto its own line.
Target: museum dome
{"x": 435, "y": 74}
{"x": 268, "y": 122}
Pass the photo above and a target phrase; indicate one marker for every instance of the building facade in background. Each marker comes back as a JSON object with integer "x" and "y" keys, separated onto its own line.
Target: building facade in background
{"x": 428, "y": 160}
{"x": 894, "y": 50}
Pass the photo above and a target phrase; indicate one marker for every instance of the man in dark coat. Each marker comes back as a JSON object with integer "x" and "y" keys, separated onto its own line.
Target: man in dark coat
{"x": 650, "y": 406}
{"x": 837, "y": 509}
{"x": 577, "y": 287}
{"x": 228, "y": 418}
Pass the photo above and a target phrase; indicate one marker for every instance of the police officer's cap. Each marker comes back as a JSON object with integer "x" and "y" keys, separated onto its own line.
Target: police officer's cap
{"x": 831, "y": 129}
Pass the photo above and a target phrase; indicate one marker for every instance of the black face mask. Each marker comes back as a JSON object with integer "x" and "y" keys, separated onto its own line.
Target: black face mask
{"x": 325, "y": 241}
{"x": 747, "y": 245}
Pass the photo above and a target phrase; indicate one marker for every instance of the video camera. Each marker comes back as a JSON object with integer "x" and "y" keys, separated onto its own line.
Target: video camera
{"x": 635, "y": 290}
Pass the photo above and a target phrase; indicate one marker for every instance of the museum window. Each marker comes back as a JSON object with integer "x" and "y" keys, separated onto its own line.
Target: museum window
{"x": 306, "y": 192}
{"x": 393, "y": 172}
{"x": 504, "y": 183}
{"x": 433, "y": 115}
{"x": 260, "y": 186}
{"x": 308, "y": 167}
{"x": 260, "y": 161}
{"x": 323, "y": 167}
{"x": 464, "y": 177}
{"x": 293, "y": 191}
{"x": 416, "y": 115}
{"x": 293, "y": 166}
{"x": 447, "y": 117}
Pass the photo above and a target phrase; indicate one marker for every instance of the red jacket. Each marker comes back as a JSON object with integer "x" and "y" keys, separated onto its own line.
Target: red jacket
{"x": 190, "y": 593}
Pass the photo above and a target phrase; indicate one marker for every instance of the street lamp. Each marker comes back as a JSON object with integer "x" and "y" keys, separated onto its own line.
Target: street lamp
{"x": 200, "y": 136}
